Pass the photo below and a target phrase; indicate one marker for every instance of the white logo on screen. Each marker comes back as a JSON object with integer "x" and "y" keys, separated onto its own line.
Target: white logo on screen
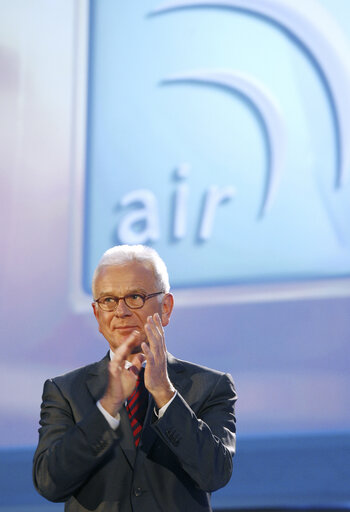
{"x": 325, "y": 44}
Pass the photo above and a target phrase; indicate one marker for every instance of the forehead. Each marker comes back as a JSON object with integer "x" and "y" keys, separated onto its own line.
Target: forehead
{"x": 130, "y": 276}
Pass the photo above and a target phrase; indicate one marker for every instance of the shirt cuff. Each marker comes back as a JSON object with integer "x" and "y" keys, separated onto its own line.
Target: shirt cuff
{"x": 112, "y": 421}
{"x": 162, "y": 410}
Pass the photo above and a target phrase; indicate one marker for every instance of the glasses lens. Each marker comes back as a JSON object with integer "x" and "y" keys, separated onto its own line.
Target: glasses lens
{"x": 107, "y": 303}
{"x": 134, "y": 301}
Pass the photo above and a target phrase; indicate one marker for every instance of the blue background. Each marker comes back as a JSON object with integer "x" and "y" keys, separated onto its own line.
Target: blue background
{"x": 142, "y": 128}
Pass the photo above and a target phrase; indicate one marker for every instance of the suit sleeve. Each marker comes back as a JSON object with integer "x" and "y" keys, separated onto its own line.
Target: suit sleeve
{"x": 68, "y": 452}
{"x": 203, "y": 442}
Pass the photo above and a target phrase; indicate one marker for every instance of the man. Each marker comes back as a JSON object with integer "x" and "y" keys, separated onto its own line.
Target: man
{"x": 96, "y": 451}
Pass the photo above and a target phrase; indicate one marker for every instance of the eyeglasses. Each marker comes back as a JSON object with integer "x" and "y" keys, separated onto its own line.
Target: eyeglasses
{"x": 133, "y": 301}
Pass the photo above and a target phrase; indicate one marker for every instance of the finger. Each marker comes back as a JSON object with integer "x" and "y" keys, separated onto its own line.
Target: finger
{"x": 148, "y": 353}
{"x": 158, "y": 322}
{"x": 139, "y": 359}
{"x": 126, "y": 348}
{"x": 128, "y": 345}
{"x": 151, "y": 328}
{"x": 153, "y": 334}
{"x": 153, "y": 343}
{"x": 134, "y": 370}
{"x": 159, "y": 325}
{"x": 155, "y": 322}
{"x": 158, "y": 333}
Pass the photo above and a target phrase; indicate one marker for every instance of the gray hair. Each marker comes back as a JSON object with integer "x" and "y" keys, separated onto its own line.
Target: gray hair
{"x": 120, "y": 254}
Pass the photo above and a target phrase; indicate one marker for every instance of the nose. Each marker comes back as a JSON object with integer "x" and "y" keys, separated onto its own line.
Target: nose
{"x": 122, "y": 309}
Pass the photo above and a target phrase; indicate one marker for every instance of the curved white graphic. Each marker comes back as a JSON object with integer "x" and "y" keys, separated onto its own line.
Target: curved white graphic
{"x": 321, "y": 37}
{"x": 266, "y": 107}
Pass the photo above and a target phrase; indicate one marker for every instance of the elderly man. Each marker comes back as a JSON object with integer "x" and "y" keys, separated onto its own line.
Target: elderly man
{"x": 138, "y": 430}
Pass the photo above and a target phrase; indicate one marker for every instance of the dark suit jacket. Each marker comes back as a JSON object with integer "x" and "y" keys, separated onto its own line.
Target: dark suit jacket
{"x": 182, "y": 456}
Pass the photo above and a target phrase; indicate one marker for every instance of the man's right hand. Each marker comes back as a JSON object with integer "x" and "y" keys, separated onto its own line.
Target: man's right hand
{"x": 122, "y": 381}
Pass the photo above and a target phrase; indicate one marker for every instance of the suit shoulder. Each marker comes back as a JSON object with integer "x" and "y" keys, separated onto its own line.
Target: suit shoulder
{"x": 78, "y": 374}
{"x": 198, "y": 383}
{"x": 195, "y": 368}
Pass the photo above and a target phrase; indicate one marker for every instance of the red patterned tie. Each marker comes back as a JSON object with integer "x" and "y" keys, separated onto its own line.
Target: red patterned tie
{"x": 137, "y": 406}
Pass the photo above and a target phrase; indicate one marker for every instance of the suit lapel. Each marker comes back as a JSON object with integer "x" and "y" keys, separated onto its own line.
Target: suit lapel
{"x": 97, "y": 378}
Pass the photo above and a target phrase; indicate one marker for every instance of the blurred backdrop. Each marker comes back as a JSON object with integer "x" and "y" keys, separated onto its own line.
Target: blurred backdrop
{"x": 217, "y": 132}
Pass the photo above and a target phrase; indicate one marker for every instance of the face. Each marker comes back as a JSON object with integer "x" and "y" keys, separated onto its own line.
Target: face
{"x": 119, "y": 280}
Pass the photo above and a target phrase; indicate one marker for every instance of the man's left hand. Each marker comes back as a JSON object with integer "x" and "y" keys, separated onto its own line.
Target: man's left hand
{"x": 156, "y": 374}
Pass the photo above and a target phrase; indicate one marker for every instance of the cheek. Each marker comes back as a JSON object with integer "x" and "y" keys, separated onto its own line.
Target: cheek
{"x": 103, "y": 322}
{"x": 100, "y": 324}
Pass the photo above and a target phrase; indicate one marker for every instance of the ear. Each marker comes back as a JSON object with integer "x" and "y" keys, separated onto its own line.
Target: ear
{"x": 95, "y": 310}
{"x": 167, "y": 307}
{"x": 97, "y": 314}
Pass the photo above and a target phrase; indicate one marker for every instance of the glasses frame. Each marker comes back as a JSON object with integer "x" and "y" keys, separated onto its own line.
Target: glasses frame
{"x": 117, "y": 299}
